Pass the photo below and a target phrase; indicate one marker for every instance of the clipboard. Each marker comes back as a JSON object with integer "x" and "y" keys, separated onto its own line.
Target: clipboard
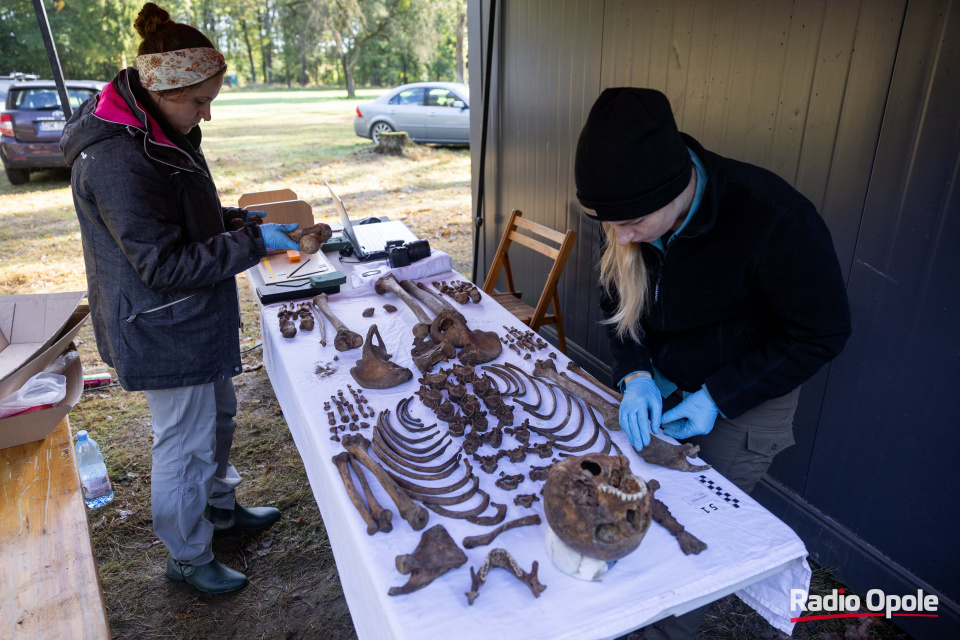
{"x": 276, "y": 268}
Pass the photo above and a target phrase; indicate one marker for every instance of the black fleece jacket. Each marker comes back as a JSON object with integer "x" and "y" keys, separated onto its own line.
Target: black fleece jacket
{"x": 748, "y": 299}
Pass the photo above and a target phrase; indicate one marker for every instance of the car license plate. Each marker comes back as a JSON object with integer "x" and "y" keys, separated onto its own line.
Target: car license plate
{"x": 51, "y": 125}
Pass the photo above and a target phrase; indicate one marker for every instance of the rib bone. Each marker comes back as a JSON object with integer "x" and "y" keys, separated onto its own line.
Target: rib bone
{"x": 479, "y": 541}
{"x": 659, "y": 452}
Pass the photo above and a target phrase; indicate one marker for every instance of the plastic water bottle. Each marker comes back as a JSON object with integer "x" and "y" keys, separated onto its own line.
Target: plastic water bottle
{"x": 93, "y": 472}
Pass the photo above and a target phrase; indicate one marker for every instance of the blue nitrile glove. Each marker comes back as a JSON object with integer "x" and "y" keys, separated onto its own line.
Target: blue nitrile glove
{"x": 640, "y": 410}
{"x": 247, "y": 214}
{"x": 692, "y": 417}
{"x": 275, "y": 236}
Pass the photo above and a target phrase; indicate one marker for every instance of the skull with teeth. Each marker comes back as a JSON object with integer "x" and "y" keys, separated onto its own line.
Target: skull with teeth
{"x": 596, "y": 506}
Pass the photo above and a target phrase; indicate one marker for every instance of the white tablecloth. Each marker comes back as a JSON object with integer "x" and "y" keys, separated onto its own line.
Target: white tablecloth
{"x": 746, "y": 542}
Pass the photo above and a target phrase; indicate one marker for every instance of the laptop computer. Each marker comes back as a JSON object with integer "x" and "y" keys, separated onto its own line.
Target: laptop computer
{"x": 369, "y": 241}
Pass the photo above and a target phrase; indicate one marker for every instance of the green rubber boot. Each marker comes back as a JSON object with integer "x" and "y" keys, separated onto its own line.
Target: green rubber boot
{"x": 212, "y": 577}
{"x": 240, "y": 518}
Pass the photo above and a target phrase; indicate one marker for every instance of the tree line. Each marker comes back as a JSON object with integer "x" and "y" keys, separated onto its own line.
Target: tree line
{"x": 266, "y": 42}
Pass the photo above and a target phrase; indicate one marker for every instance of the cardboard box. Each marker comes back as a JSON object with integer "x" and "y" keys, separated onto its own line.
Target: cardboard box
{"x": 29, "y": 324}
{"x": 34, "y": 331}
{"x": 28, "y": 427}
{"x": 56, "y": 345}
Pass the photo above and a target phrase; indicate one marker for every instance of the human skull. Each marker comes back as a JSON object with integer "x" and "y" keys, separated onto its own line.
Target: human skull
{"x": 596, "y": 506}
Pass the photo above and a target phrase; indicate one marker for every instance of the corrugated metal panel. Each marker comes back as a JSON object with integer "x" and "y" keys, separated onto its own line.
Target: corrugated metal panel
{"x": 891, "y": 409}
{"x": 856, "y": 104}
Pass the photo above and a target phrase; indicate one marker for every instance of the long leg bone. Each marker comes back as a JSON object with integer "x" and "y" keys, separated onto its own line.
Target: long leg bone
{"x": 433, "y": 302}
{"x": 345, "y": 339}
{"x": 426, "y": 351}
{"x": 501, "y": 558}
{"x": 409, "y": 510}
{"x": 384, "y": 517}
{"x": 342, "y": 462}
{"x": 479, "y": 541}
{"x": 577, "y": 369}
{"x": 390, "y": 283}
{"x": 610, "y": 412}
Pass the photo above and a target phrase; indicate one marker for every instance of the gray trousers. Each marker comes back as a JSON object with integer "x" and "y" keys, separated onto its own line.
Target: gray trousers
{"x": 741, "y": 449}
{"x": 192, "y": 435}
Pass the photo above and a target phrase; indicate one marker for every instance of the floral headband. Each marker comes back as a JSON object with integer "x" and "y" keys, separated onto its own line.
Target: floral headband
{"x": 178, "y": 69}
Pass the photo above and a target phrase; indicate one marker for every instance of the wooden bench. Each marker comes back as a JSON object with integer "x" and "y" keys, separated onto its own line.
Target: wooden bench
{"x": 50, "y": 585}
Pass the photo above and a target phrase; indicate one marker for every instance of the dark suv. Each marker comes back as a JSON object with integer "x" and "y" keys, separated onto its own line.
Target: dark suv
{"x": 31, "y": 124}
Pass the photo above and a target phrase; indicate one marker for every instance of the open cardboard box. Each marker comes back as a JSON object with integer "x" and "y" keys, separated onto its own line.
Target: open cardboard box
{"x": 29, "y": 323}
{"x": 28, "y": 427}
{"x": 61, "y": 317}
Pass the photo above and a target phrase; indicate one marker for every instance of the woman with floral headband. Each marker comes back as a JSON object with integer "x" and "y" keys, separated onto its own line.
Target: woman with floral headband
{"x": 161, "y": 254}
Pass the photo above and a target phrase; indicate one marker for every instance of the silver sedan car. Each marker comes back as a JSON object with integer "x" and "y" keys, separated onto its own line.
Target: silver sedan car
{"x": 426, "y": 111}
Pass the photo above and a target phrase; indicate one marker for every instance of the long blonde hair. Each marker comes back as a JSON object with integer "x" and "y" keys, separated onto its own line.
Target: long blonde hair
{"x": 622, "y": 271}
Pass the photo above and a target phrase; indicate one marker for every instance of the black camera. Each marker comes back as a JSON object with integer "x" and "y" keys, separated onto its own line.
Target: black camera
{"x": 400, "y": 254}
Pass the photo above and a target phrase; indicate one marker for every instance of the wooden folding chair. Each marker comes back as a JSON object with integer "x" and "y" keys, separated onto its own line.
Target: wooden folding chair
{"x": 510, "y": 299}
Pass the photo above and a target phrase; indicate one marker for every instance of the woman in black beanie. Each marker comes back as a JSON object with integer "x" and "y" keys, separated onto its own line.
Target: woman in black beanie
{"x": 721, "y": 289}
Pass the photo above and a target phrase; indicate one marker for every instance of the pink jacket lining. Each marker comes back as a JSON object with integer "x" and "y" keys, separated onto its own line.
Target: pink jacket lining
{"x": 113, "y": 108}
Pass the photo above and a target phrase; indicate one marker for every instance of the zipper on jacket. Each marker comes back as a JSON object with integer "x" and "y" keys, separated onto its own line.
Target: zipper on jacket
{"x": 661, "y": 255}
{"x": 163, "y": 306}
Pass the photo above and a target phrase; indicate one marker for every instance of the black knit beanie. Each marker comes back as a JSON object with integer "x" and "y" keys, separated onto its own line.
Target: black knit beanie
{"x": 631, "y": 160}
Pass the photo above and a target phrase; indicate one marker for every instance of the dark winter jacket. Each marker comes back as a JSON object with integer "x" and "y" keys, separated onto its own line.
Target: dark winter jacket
{"x": 748, "y": 299}
{"x": 160, "y": 264}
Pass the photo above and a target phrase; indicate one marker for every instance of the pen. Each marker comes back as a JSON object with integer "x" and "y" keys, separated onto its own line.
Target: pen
{"x": 298, "y": 268}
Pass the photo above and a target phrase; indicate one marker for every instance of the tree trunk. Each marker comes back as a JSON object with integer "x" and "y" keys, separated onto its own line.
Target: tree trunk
{"x": 344, "y": 63}
{"x": 348, "y": 74}
{"x": 303, "y": 55}
{"x": 261, "y": 24}
{"x": 393, "y": 143}
{"x": 270, "y": 21}
{"x": 461, "y": 21}
{"x": 246, "y": 40}
{"x": 403, "y": 57}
